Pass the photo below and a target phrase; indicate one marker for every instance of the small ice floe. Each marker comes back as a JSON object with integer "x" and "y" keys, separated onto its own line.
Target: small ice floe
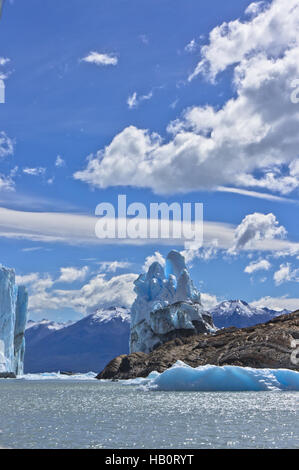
{"x": 58, "y": 376}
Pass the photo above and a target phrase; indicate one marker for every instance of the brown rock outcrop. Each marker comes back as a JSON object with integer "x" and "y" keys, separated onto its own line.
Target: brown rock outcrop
{"x": 266, "y": 345}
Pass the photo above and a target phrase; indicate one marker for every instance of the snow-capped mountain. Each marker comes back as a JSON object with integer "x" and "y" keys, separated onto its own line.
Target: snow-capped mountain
{"x": 240, "y": 314}
{"x": 38, "y": 330}
{"x": 106, "y": 315}
{"x": 47, "y": 324}
{"x": 88, "y": 344}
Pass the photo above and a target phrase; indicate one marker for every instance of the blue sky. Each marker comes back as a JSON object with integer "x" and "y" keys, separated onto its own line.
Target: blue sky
{"x": 217, "y": 97}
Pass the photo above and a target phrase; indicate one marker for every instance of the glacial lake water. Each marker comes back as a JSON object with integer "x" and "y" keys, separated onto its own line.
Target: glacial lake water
{"x": 91, "y": 414}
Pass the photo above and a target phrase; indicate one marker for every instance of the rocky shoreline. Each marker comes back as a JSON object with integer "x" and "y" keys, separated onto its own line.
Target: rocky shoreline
{"x": 266, "y": 345}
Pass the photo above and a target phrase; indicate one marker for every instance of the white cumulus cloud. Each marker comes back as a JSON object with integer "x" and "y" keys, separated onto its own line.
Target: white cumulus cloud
{"x": 256, "y": 227}
{"x": 272, "y": 29}
{"x": 277, "y": 303}
{"x": 208, "y": 301}
{"x": 72, "y": 274}
{"x": 262, "y": 265}
{"x": 253, "y": 137}
{"x": 285, "y": 273}
{"x": 99, "y": 291}
{"x": 156, "y": 257}
{"x": 98, "y": 58}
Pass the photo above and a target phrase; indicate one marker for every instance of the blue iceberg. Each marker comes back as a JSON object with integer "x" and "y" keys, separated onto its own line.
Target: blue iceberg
{"x": 166, "y": 301}
{"x": 182, "y": 377}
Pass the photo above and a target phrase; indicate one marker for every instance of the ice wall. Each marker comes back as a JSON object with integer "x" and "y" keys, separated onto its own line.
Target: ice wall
{"x": 13, "y": 316}
{"x": 20, "y": 325}
{"x": 8, "y": 299}
{"x": 167, "y": 302}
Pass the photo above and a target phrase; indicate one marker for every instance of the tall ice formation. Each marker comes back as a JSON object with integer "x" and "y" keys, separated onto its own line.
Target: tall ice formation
{"x": 167, "y": 305}
{"x": 13, "y": 317}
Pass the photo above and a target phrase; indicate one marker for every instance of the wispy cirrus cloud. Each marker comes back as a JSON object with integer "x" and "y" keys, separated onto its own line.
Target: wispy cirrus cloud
{"x": 37, "y": 171}
{"x": 144, "y": 39}
{"x": 7, "y": 149}
{"x": 4, "y": 61}
{"x": 191, "y": 46}
{"x": 4, "y": 71}
{"x": 113, "y": 266}
{"x": 59, "y": 162}
{"x": 257, "y": 195}
{"x": 134, "y": 100}
{"x": 78, "y": 229}
{"x": 6, "y": 145}
{"x": 6, "y": 183}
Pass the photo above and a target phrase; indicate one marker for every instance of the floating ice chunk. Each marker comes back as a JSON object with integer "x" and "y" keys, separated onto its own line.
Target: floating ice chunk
{"x": 141, "y": 380}
{"x": 182, "y": 377}
{"x": 58, "y": 376}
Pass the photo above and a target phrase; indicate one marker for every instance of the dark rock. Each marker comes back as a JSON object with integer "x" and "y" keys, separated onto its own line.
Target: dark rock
{"x": 7, "y": 375}
{"x": 266, "y": 345}
{"x": 123, "y": 364}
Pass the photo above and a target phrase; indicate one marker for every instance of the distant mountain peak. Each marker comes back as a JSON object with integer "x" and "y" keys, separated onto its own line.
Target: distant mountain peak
{"x": 108, "y": 314}
{"x": 85, "y": 345}
{"x": 49, "y": 324}
{"x": 241, "y": 314}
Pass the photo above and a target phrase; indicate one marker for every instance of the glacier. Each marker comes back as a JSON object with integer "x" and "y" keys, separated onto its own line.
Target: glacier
{"x": 13, "y": 317}
{"x": 167, "y": 304}
{"x": 20, "y": 326}
{"x": 210, "y": 378}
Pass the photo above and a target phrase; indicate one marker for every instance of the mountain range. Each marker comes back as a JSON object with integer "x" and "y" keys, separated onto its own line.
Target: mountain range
{"x": 241, "y": 315}
{"x": 89, "y": 344}
{"x": 86, "y": 345}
